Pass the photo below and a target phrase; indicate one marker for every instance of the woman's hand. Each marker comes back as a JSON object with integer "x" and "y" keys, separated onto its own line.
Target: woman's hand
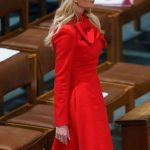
{"x": 62, "y": 134}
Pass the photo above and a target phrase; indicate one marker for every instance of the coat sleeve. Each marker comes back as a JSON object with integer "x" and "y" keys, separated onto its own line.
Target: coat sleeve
{"x": 64, "y": 44}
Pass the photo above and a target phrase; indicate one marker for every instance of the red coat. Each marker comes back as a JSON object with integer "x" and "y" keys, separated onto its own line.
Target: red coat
{"x": 78, "y": 97}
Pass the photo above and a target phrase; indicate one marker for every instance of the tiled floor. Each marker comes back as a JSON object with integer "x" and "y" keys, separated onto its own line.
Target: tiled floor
{"x": 136, "y": 50}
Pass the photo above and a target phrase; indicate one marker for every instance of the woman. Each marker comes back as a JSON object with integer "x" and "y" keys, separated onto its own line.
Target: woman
{"x": 80, "y": 113}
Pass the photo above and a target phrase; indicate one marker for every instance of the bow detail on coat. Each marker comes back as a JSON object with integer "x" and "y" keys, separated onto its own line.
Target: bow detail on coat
{"x": 88, "y": 31}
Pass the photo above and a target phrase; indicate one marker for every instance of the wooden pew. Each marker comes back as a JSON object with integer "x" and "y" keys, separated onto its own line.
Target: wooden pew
{"x": 118, "y": 95}
{"x": 135, "y": 127}
{"x": 24, "y": 39}
{"x": 6, "y": 7}
{"x": 42, "y": 6}
{"x": 18, "y": 72}
{"x": 121, "y": 16}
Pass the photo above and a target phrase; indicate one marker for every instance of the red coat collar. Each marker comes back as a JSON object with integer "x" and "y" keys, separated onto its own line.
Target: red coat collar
{"x": 87, "y": 30}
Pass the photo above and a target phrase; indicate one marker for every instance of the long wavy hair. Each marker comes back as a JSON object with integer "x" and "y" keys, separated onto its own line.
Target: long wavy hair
{"x": 64, "y": 14}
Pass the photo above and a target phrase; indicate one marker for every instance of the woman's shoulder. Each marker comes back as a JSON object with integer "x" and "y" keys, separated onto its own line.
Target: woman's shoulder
{"x": 67, "y": 30}
{"x": 66, "y": 33}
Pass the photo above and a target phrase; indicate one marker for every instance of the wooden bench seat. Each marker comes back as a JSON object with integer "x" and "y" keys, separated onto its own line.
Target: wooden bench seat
{"x": 135, "y": 127}
{"x": 118, "y": 95}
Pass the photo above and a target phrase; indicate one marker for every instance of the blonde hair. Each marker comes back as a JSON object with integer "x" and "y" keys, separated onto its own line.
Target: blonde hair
{"x": 64, "y": 14}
